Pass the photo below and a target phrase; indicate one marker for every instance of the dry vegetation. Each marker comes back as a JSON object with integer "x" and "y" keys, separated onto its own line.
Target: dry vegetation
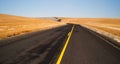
{"x": 15, "y": 25}
{"x": 106, "y": 26}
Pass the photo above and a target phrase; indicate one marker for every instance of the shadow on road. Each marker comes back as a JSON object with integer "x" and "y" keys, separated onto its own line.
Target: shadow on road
{"x": 33, "y": 48}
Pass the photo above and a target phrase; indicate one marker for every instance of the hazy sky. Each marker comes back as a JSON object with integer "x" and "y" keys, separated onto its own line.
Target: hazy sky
{"x": 62, "y": 8}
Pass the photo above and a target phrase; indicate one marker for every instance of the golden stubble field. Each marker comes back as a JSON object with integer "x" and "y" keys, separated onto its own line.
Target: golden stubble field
{"x": 16, "y": 25}
{"x": 110, "y": 25}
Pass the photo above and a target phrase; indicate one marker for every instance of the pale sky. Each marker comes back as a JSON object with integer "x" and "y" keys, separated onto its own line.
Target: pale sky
{"x": 62, "y": 8}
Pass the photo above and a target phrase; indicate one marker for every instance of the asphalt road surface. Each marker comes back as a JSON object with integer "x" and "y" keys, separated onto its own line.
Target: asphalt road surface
{"x": 46, "y": 47}
{"x": 33, "y": 48}
{"x": 86, "y": 48}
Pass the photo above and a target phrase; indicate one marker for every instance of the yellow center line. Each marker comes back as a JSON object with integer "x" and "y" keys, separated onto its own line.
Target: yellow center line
{"x": 65, "y": 46}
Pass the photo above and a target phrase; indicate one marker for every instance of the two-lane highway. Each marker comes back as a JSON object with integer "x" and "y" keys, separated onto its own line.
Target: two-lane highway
{"x": 69, "y": 44}
{"x": 86, "y": 48}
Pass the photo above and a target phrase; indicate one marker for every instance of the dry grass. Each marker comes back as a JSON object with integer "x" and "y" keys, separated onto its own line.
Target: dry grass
{"x": 110, "y": 25}
{"x": 15, "y": 25}
{"x": 110, "y": 29}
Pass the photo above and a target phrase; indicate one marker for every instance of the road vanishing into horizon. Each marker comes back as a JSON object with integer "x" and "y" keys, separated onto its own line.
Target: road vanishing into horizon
{"x": 69, "y": 44}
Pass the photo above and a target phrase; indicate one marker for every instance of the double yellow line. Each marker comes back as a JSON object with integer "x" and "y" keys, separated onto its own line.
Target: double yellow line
{"x": 65, "y": 46}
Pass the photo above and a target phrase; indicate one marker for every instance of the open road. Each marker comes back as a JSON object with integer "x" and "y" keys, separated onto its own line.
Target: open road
{"x": 33, "y": 48}
{"x": 69, "y": 44}
{"x": 85, "y": 47}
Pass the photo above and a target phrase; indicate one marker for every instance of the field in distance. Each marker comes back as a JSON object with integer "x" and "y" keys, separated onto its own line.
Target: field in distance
{"x": 108, "y": 26}
{"x": 15, "y": 25}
